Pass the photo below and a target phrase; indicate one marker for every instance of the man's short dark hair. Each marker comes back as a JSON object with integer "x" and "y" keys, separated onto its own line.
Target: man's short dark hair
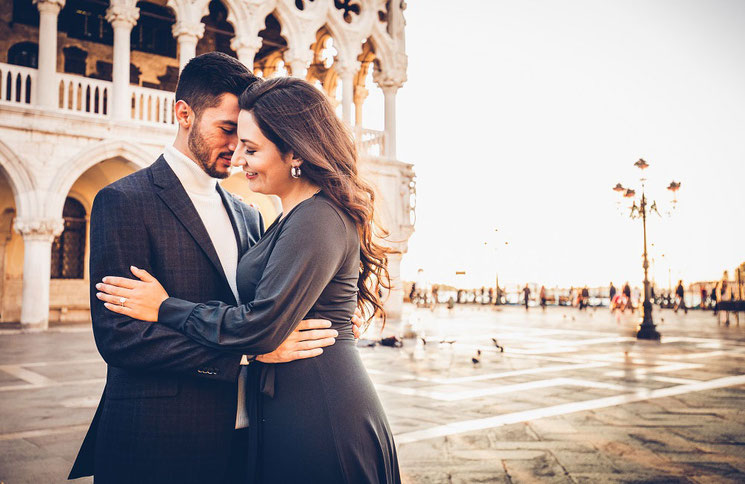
{"x": 208, "y": 76}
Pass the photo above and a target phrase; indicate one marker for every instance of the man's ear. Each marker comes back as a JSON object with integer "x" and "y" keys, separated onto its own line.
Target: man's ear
{"x": 184, "y": 114}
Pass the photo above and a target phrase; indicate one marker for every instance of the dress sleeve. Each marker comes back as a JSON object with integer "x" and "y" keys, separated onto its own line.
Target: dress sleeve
{"x": 308, "y": 252}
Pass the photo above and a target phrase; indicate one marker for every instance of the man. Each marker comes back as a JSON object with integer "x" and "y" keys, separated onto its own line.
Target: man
{"x": 172, "y": 410}
{"x": 680, "y": 301}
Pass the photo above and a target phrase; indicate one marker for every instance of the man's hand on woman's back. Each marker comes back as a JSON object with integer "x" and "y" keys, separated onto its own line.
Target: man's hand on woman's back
{"x": 307, "y": 341}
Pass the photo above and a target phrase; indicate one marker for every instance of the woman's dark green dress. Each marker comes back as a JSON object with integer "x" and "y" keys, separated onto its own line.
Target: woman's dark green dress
{"x": 315, "y": 420}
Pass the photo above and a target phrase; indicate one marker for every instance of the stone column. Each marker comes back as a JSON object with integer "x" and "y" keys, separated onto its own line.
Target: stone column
{"x": 46, "y": 83}
{"x": 38, "y": 235}
{"x": 298, "y": 62}
{"x": 122, "y": 18}
{"x": 389, "y": 91}
{"x": 347, "y": 73}
{"x": 360, "y": 94}
{"x": 187, "y": 36}
{"x": 394, "y": 304}
{"x": 246, "y": 48}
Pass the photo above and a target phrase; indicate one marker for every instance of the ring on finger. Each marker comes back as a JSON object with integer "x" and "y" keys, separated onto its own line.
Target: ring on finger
{"x": 122, "y": 300}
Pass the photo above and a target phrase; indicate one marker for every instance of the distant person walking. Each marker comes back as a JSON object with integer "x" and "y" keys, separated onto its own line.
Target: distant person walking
{"x": 704, "y": 295}
{"x": 627, "y": 295}
{"x": 526, "y": 295}
{"x": 611, "y": 293}
{"x": 584, "y": 298}
{"x": 725, "y": 294}
{"x": 542, "y": 296}
{"x": 680, "y": 301}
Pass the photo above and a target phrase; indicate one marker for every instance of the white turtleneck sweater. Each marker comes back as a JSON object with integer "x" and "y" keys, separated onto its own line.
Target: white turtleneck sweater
{"x": 202, "y": 191}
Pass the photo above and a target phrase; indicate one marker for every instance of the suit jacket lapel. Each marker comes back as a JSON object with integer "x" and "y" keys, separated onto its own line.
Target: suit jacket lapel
{"x": 236, "y": 220}
{"x": 175, "y": 197}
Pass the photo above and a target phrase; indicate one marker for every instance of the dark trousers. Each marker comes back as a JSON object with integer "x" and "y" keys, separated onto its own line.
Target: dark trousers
{"x": 238, "y": 461}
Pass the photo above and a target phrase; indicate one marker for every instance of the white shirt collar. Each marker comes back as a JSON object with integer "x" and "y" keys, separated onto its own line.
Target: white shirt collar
{"x": 189, "y": 173}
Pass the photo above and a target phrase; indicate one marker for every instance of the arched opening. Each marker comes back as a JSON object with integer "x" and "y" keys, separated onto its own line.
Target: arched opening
{"x": 68, "y": 294}
{"x": 153, "y": 33}
{"x": 363, "y": 79}
{"x": 24, "y": 54}
{"x": 269, "y": 60}
{"x": 11, "y": 255}
{"x": 75, "y": 60}
{"x": 321, "y": 72}
{"x": 68, "y": 248}
{"x": 217, "y": 31}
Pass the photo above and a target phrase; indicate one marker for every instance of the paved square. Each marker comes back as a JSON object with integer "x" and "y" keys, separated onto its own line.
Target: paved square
{"x": 573, "y": 398}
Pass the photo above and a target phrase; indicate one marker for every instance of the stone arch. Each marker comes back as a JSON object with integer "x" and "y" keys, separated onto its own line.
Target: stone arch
{"x": 273, "y": 46}
{"x": 219, "y": 30}
{"x": 299, "y": 25}
{"x": 234, "y": 9}
{"x": 20, "y": 180}
{"x": 24, "y": 54}
{"x": 89, "y": 157}
{"x": 318, "y": 71}
{"x": 382, "y": 48}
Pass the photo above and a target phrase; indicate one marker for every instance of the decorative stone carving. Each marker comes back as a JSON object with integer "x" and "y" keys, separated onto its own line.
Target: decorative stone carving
{"x": 39, "y": 229}
{"x": 49, "y": 6}
{"x": 121, "y": 14}
{"x": 350, "y": 9}
{"x": 184, "y": 29}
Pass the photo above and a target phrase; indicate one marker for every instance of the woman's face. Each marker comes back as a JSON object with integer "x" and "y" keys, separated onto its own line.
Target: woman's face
{"x": 266, "y": 169}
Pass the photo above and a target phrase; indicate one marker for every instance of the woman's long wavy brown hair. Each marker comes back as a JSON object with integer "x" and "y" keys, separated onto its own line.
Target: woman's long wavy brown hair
{"x": 299, "y": 118}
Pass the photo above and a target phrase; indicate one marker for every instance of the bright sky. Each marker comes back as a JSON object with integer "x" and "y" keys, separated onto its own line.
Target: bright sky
{"x": 522, "y": 115}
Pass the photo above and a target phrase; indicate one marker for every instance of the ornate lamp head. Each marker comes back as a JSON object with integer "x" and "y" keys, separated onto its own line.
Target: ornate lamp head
{"x": 641, "y": 164}
{"x": 674, "y": 187}
{"x": 618, "y": 188}
{"x": 629, "y": 193}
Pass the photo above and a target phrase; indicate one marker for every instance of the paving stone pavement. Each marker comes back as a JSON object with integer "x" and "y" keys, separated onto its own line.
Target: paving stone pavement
{"x": 573, "y": 398}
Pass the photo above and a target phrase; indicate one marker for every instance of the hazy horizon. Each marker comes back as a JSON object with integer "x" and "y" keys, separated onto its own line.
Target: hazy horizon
{"x": 522, "y": 116}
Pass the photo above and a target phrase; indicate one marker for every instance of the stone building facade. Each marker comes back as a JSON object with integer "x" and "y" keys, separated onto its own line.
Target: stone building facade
{"x": 86, "y": 97}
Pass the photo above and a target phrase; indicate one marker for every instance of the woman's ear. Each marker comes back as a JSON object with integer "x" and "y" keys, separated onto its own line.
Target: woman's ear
{"x": 294, "y": 160}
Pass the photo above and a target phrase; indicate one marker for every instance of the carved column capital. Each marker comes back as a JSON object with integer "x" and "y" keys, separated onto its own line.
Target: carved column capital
{"x": 39, "y": 229}
{"x": 246, "y": 42}
{"x": 121, "y": 15}
{"x": 389, "y": 82}
{"x": 345, "y": 68}
{"x": 184, "y": 29}
{"x": 49, "y": 6}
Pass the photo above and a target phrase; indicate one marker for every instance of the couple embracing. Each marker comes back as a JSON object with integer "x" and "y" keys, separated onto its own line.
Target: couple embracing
{"x": 212, "y": 377}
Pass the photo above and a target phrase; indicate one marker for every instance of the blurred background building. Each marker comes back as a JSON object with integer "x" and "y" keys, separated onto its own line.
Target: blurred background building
{"x": 86, "y": 97}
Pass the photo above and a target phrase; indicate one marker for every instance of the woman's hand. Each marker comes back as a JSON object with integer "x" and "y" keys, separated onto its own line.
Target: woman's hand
{"x": 136, "y": 299}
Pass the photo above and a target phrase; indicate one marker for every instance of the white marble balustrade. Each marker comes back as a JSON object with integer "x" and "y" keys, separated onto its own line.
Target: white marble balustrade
{"x": 16, "y": 84}
{"x": 83, "y": 94}
{"x": 369, "y": 141}
{"x": 152, "y": 105}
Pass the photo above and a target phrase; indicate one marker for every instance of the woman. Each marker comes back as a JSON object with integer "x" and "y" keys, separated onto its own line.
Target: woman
{"x": 314, "y": 420}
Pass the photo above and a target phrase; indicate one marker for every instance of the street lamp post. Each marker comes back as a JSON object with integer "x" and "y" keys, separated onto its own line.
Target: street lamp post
{"x": 647, "y": 328}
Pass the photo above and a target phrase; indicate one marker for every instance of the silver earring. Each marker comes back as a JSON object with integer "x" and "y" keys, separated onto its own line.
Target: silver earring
{"x": 295, "y": 172}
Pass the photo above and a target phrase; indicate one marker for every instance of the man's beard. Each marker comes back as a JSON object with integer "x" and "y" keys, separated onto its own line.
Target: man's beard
{"x": 200, "y": 150}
